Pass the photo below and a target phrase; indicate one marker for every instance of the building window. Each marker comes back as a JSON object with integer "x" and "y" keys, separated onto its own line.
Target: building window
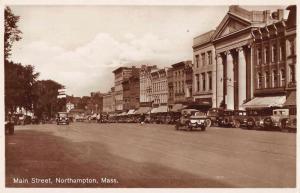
{"x": 203, "y": 59}
{"x": 203, "y": 82}
{"x": 197, "y": 83}
{"x": 258, "y": 56}
{"x": 182, "y": 84}
{"x": 292, "y": 47}
{"x": 281, "y": 52}
{"x": 274, "y": 53}
{"x": 266, "y": 55}
{"x": 209, "y": 80}
{"x": 292, "y": 73}
{"x": 274, "y": 78}
{"x": 267, "y": 79}
{"x": 282, "y": 77}
{"x": 197, "y": 60}
{"x": 259, "y": 83}
{"x": 209, "y": 55}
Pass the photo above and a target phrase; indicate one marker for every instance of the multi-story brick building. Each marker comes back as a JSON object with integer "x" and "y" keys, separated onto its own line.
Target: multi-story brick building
{"x": 159, "y": 94}
{"x": 204, "y": 70}
{"x": 131, "y": 90}
{"x": 121, "y": 74}
{"x": 274, "y": 61}
{"x": 170, "y": 78}
{"x": 181, "y": 82}
{"x": 146, "y": 85}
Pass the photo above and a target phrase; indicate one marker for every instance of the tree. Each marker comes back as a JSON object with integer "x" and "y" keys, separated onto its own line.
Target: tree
{"x": 18, "y": 86}
{"x": 11, "y": 31}
{"x": 45, "y": 98}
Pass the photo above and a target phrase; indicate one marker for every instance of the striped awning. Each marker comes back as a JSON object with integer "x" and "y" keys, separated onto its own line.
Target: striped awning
{"x": 264, "y": 102}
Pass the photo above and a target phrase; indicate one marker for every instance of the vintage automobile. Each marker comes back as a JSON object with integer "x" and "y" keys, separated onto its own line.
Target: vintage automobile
{"x": 215, "y": 115}
{"x": 240, "y": 118}
{"x": 258, "y": 118}
{"x": 62, "y": 118}
{"x": 199, "y": 120}
{"x": 226, "y": 119}
{"x": 283, "y": 119}
{"x": 192, "y": 119}
{"x": 233, "y": 118}
{"x": 291, "y": 123}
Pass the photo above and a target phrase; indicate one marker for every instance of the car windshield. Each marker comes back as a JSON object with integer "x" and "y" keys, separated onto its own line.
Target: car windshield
{"x": 62, "y": 114}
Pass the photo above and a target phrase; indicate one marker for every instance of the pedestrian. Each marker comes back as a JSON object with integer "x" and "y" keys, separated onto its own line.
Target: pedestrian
{"x": 143, "y": 119}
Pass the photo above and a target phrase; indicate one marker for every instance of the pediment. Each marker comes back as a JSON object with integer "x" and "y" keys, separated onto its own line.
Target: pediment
{"x": 230, "y": 24}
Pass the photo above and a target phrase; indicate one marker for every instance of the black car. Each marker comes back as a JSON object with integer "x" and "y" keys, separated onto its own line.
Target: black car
{"x": 62, "y": 118}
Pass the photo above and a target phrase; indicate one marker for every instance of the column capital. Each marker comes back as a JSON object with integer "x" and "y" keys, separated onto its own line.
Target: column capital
{"x": 227, "y": 52}
{"x": 239, "y": 49}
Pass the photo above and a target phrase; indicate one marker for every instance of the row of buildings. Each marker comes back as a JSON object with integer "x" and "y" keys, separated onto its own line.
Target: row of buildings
{"x": 248, "y": 61}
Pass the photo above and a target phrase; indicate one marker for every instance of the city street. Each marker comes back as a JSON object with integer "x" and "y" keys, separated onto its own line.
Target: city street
{"x": 151, "y": 155}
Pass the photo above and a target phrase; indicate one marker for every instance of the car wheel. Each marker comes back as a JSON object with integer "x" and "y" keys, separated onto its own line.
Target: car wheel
{"x": 283, "y": 125}
{"x": 268, "y": 123}
{"x": 208, "y": 122}
{"x": 236, "y": 124}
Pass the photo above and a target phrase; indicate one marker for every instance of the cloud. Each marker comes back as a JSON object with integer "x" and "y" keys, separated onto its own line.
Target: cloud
{"x": 89, "y": 67}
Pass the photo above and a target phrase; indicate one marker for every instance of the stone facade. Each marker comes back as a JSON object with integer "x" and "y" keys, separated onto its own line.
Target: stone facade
{"x": 146, "y": 85}
{"x": 109, "y": 101}
{"x": 159, "y": 94}
{"x": 233, "y": 44}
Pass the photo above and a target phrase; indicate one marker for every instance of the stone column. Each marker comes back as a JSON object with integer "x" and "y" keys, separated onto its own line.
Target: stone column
{"x": 229, "y": 99}
{"x": 242, "y": 77}
{"x": 219, "y": 80}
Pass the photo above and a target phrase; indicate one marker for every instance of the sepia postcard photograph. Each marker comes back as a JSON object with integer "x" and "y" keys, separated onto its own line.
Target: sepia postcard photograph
{"x": 113, "y": 95}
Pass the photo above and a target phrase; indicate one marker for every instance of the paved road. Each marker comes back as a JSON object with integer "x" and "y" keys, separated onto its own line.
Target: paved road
{"x": 134, "y": 155}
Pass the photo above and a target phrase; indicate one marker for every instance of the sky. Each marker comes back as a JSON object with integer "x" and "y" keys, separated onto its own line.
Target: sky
{"x": 80, "y": 46}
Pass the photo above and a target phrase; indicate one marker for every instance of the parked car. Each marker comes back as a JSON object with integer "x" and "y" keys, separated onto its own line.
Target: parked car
{"x": 258, "y": 118}
{"x": 62, "y": 118}
{"x": 198, "y": 121}
{"x": 291, "y": 124}
{"x": 192, "y": 119}
{"x": 283, "y": 120}
{"x": 240, "y": 118}
{"x": 215, "y": 115}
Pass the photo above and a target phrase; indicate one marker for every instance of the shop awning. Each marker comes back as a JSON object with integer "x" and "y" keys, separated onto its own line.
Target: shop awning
{"x": 178, "y": 107}
{"x": 142, "y": 110}
{"x": 291, "y": 99}
{"x": 162, "y": 109}
{"x": 264, "y": 102}
{"x": 131, "y": 112}
{"x": 121, "y": 114}
{"x": 154, "y": 110}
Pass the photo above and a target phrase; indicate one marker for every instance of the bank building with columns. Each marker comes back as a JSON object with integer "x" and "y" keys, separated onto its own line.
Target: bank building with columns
{"x": 231, "y": 45}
